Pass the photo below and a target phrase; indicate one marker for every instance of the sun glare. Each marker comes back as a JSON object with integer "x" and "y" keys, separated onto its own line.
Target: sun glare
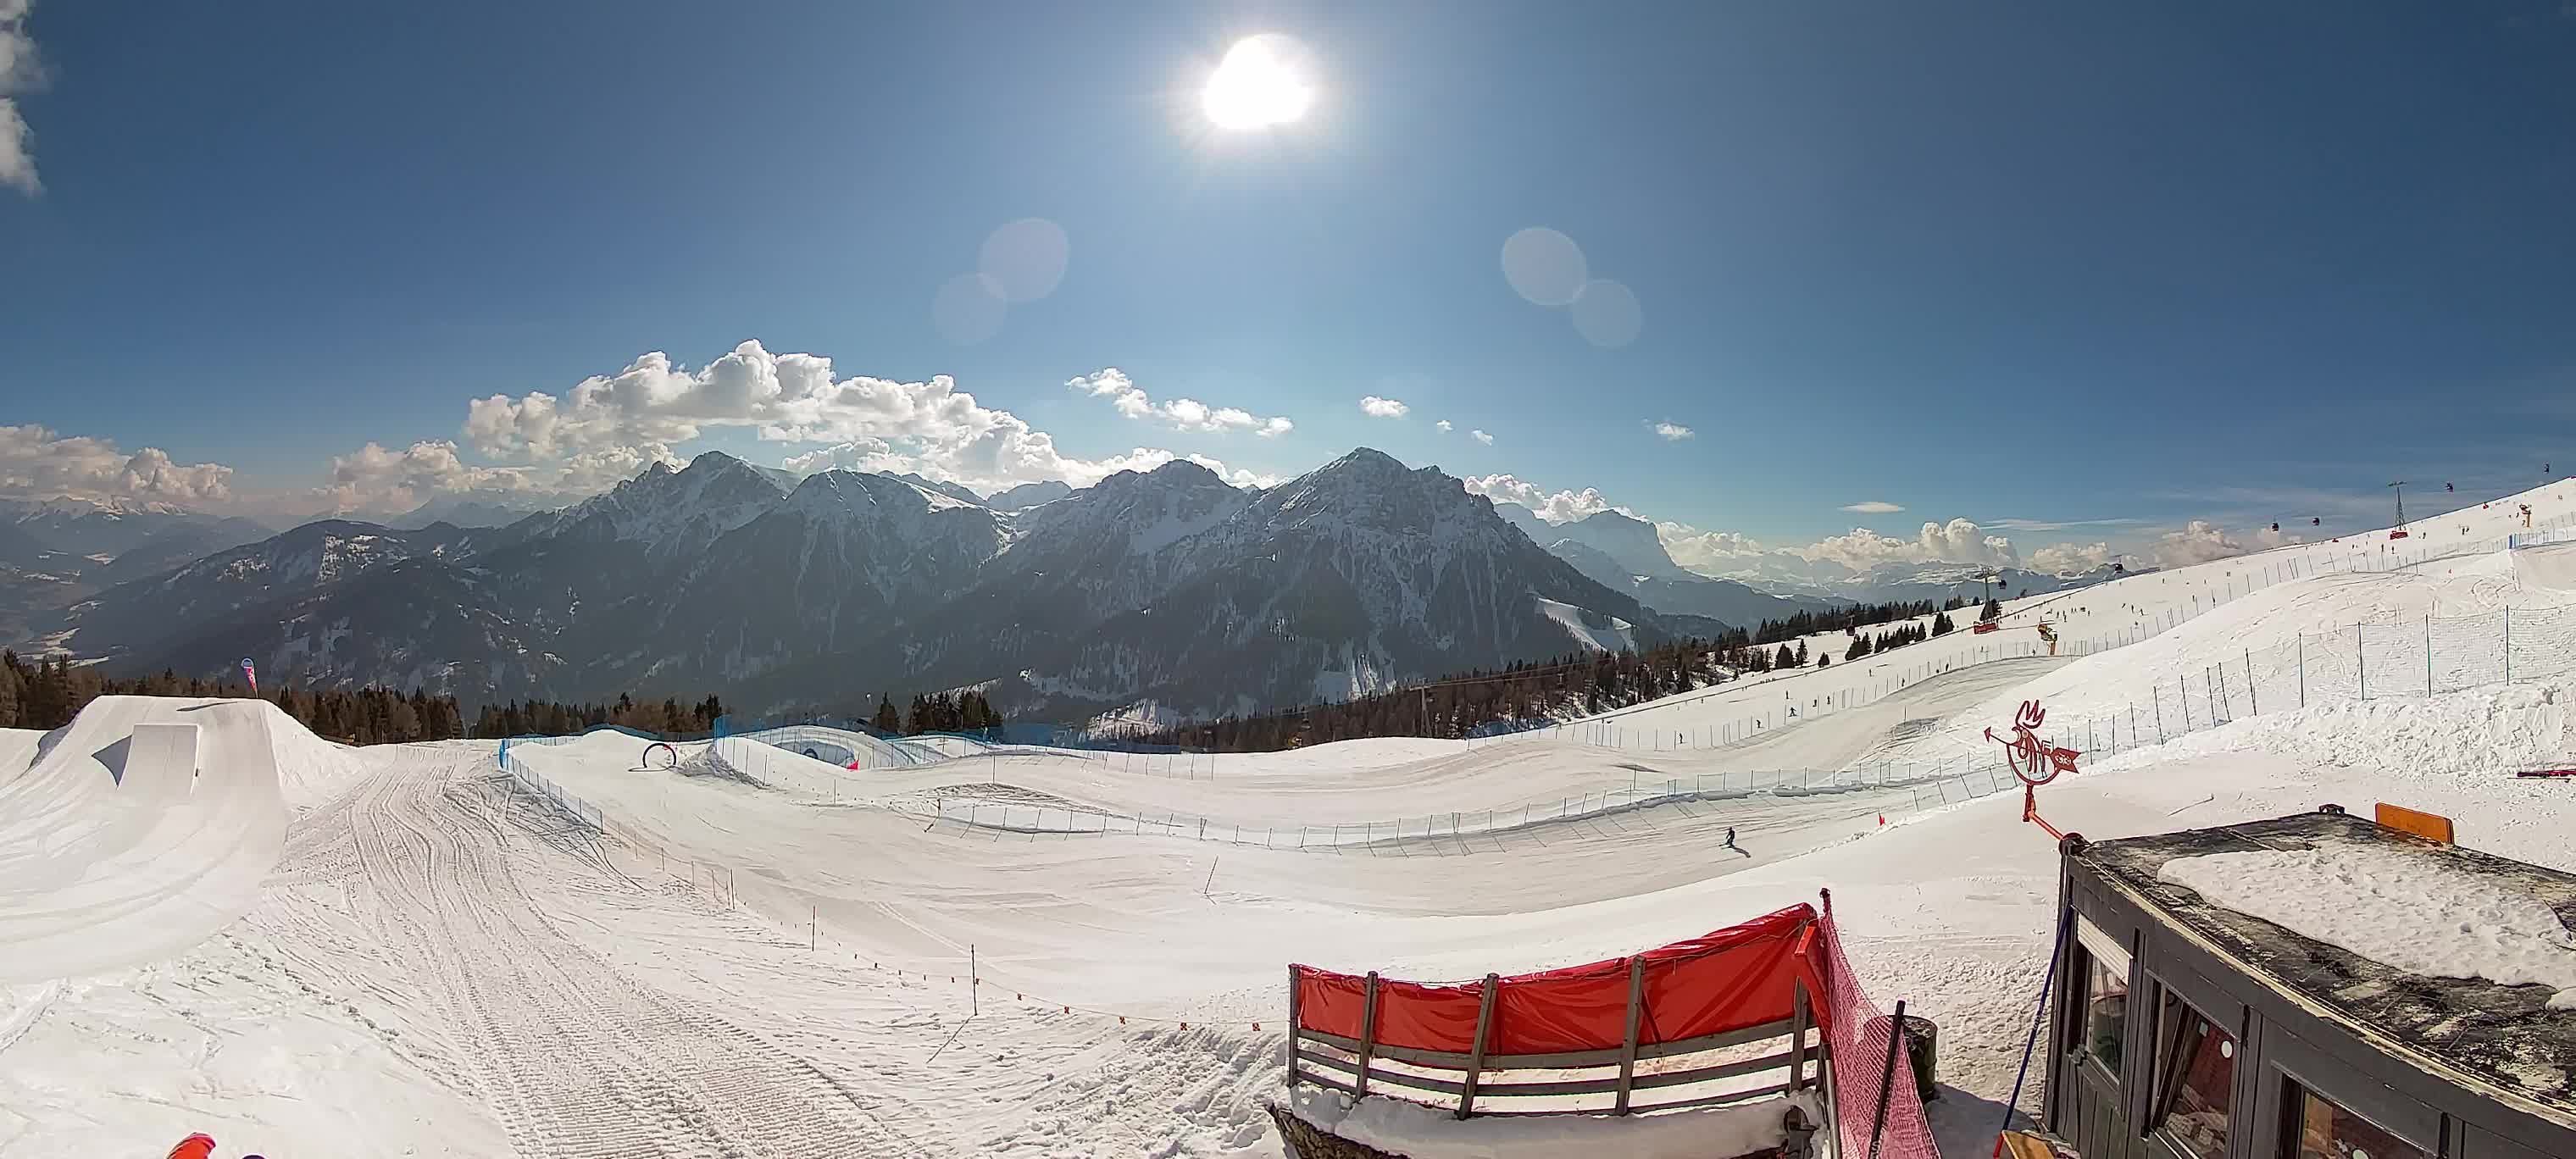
{"x": 1257, "y": 85}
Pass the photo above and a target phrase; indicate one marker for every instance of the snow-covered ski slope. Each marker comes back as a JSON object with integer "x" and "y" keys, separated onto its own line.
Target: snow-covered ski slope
{"x": 769, "y": 955}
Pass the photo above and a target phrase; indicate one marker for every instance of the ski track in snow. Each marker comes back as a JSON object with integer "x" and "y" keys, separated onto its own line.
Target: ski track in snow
{"x": 578, "y": 1060}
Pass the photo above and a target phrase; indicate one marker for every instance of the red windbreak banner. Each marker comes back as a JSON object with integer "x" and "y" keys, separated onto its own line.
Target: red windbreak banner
{"x": 1738, "y": 977}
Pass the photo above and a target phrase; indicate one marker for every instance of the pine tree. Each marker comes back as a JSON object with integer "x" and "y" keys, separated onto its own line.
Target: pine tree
{"x": 1941, "y": 625}
{"x": 9, "y": 692}
{"x": 887, "y": 720}
{"x": 1802, "y": 655}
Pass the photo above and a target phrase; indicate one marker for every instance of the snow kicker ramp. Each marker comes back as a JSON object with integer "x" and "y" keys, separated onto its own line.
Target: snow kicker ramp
{"x": 137, "y": 830}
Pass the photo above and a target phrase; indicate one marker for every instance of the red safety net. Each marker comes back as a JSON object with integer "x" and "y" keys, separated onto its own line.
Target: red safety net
{"x": 1861, "y": 1036}
{"x": 1734, "y": 978}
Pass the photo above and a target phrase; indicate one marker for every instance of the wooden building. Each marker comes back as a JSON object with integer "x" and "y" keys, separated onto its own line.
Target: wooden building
{"x": 2181, "y": 1029}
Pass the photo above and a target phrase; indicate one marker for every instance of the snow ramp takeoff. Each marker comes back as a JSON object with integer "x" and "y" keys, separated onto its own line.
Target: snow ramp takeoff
{"x": 138, "y": 830}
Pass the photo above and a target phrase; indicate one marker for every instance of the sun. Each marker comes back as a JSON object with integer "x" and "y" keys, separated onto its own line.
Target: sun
{"x": 1257, "y": 85}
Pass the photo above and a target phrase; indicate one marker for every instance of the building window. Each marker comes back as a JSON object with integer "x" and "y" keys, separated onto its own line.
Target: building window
{"x": 2195, "y": 1079}
{"x": 2105, "y": 1026}
{"x": 2326, "y": 1131}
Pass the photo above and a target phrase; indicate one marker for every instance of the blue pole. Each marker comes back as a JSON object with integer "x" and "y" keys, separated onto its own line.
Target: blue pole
{"x": 2057, "y": 950}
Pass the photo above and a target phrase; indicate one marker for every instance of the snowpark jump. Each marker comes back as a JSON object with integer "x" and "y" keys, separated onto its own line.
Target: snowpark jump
{"x": 755, "y": 952}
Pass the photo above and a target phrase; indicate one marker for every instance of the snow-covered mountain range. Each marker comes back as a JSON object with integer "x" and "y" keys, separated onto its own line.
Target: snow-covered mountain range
{"x": 1169, "y": 585}
{"x": 55, "y": 552}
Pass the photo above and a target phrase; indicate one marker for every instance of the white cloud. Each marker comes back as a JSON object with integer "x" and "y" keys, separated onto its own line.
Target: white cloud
{"x": 2066, "y": 557}
{"x": 638, "y": 414}
{"x": 1556, "y": 507}
{"x": 375, "y": 479}
{"x": 1482, "y": 437}
{"x": 1958, "y": 541}
{"x": 37, "y": 463}
{"x": 1382, "y": 408}
{"x": 1186, "y": 414}
{"x": 1672, "y": 432}
{"x": 2201, "y": 541}
{"x": 1873, "y": 507}
{"x": 1443, "y": 425}
{"x": 19, "y": 72}
{"x": 1710, "y": 550}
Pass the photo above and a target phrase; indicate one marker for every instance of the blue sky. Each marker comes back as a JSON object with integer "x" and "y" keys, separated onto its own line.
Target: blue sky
{"x": 2026, "y": 266}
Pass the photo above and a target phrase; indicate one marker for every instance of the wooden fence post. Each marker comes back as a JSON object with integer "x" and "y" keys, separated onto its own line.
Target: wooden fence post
{"x": 1476, "y": 1057}
{"x": 1368, "y": 1034}
{"x": 1628, "y": 1049}
{"x": 1292, "y": 1025}
{"x": 1798, "y": 1020}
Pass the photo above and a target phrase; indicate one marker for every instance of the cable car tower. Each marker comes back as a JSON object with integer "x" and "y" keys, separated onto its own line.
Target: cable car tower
{"x": 2399, "y": 531}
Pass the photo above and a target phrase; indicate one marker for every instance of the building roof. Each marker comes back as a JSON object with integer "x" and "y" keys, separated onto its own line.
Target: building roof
{"x": 2503, "y": 1036}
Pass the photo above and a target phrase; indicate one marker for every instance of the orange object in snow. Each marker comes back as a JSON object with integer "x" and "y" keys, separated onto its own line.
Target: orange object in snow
{"x": 197, "y": 1146}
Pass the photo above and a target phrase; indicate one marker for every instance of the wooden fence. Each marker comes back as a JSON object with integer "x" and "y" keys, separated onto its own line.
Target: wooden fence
{"x": 1355, "y": 1066}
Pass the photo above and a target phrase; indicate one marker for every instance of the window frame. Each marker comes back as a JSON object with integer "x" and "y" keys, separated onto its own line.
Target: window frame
{"x": 2095, "y": 944}
{"x": 2291, "y": 1063}
{"x": 2224, "y": 1012}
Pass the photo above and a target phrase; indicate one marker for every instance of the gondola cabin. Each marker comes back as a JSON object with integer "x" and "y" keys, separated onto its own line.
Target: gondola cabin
{"x": 2311, "y": 987}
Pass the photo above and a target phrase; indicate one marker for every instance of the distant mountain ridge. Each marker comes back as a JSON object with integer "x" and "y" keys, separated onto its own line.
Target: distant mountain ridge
{"x": 56, "y": 552}
{"x": 1623, "y": 553}
{"x": 1169, "y": 585}
{"x": 1610, "y": 544}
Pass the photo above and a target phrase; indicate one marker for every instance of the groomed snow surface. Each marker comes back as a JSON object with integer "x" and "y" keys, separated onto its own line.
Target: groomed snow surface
{"x": 306, "y": 949}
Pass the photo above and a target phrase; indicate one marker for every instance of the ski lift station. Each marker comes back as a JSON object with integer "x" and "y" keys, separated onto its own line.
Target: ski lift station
{"x": 2316, "y": 986}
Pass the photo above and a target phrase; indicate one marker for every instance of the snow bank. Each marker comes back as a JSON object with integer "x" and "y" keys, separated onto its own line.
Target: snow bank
{"x": 2479, "y": 732}
{"x": 1422, "y": 1132}
{"x": 2415, "y": 912}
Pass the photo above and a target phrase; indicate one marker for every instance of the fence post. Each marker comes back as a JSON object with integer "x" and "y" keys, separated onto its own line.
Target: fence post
{"x": 1628, "y": 1048}
{"x": 2183, "y": 692}
{"x": 2303, "y": 670}
{"x": 2428, "y": 655}
{"x": 1476, "y": 1057}
{"x": 1368, "y": 1035}
{"x": 2360, "y": 663}
{"x": 2508, "y": 645}
{"x": 1798, "y": 1034}
{"x": 1293, "y": 970}
{"x": 2254, "y": 707}
{"x": 1887, "y": 1074}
